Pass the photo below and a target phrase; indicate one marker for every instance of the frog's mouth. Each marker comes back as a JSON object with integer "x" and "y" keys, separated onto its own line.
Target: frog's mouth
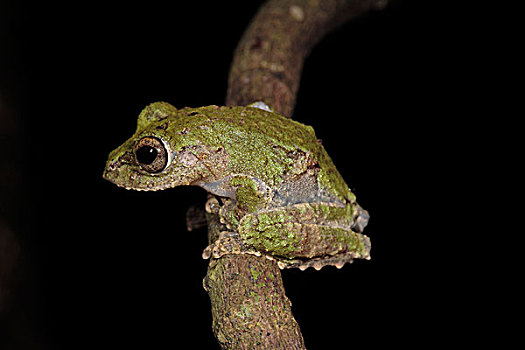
{"x": 120, "y": 174}
{"x": 127, "y": 176}
{"x": 124, "y": 172}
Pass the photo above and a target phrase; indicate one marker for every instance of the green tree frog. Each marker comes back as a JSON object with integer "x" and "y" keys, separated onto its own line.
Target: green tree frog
{"x": 274, "y": 187}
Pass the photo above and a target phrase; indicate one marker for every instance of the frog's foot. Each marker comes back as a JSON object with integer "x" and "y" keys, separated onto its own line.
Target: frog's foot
{"x": 195, "y": 218}
{"x": 228, "y": 242}
{"x": 318, "y": 263}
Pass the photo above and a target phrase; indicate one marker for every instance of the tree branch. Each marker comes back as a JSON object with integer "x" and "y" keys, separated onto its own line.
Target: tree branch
{"x": 268, "y": 61}
{"x": 249, "y": 306}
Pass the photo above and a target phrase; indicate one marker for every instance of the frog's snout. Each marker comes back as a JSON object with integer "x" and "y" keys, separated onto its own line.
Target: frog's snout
{"x": 110, "y": 171}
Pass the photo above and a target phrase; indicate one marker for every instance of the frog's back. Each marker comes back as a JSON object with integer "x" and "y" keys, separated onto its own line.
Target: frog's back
{"x": 249, "y": 123}
{"x": 276, "y": 149}
{"x": 262, "y": 144}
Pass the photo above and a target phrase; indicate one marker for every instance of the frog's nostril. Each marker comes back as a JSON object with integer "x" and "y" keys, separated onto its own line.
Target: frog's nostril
{"x": 111, "y": 170}
{"x": 113, "y": 166}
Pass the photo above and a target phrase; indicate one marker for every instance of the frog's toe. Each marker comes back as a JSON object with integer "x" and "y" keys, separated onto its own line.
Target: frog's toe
{"x": 206, "y": 253}
{"x": 227, "y": 243}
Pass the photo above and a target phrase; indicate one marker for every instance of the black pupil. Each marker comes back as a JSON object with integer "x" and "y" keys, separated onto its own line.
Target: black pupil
{"x": 146, "y": 154}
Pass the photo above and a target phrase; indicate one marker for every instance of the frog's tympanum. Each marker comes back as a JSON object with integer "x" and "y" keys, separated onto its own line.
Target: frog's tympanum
{"x": 274, "y": 187}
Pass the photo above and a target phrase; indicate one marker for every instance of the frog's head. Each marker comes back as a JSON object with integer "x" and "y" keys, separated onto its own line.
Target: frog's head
{"x": 160, "y": 154}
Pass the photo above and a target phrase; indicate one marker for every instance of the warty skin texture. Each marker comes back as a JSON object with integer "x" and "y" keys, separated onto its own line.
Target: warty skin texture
{"x": 264, "y": 166}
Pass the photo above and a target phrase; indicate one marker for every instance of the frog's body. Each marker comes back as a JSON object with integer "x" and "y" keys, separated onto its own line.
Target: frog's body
{"x": 282, "y": 195}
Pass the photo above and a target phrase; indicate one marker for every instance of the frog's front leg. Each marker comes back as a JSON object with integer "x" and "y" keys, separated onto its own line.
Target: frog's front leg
{"x": 250, "y": 196}
{"x": 229, "y": 242}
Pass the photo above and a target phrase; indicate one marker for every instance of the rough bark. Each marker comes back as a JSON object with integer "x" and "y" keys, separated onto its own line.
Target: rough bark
{"x": 268, "y": 61}
{"x": 249, "y": 306}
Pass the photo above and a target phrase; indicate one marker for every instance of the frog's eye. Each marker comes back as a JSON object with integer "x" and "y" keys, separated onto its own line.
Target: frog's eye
{"x": 151, "y": 154}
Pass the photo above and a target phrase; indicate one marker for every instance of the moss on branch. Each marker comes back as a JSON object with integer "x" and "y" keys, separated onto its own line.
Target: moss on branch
{"x": 249, "y": 305}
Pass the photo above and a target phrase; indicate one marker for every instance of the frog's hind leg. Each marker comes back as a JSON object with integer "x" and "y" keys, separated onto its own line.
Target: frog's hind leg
{"x": 195, "y": 218}
{"x": 304, "y": 235}
{"x": 338, "y": 260}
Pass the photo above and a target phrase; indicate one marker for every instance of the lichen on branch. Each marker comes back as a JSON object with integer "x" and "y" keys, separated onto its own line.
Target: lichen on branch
{"x": 268, "y": 61}
{"x": 249, "y": 305}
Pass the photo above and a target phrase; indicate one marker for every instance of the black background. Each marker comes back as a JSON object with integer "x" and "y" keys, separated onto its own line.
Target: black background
{"x": 104, "y": 267}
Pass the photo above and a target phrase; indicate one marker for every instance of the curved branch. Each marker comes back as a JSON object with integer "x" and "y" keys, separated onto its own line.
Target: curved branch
{"x": 249, "y": 306}
{"x": 268, "y": 61}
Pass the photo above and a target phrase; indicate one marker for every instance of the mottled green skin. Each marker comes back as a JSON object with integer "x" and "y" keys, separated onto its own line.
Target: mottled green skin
{"x": 282, "y": 192}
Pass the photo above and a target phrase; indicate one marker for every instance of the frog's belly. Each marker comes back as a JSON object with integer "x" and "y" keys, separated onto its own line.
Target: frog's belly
{"x": 302, "y": 189}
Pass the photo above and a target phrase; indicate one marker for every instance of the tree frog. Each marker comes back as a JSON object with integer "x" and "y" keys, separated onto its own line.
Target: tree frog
{"x": 274, "y": 187}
